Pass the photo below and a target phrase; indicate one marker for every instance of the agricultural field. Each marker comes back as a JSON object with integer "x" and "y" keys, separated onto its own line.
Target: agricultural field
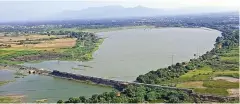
{"x": 22, "y": 45}
{"x": 22, "y": 48}
{"x": 35, "y": 42}
{"x": 210, "y": 80}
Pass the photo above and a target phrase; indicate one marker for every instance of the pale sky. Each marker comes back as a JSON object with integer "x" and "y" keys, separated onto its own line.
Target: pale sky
{"x": 79, "y": 4}
{"x": 11, "y": 8}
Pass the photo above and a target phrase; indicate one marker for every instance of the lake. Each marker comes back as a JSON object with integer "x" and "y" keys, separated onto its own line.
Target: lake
{"x": 125, "y": 54}
{"x": 35, "y": 87}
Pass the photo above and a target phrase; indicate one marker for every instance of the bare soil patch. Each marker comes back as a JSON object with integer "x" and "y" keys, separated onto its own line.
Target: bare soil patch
{"x": 233, "y": 92}
{"x": 230, "y": 79}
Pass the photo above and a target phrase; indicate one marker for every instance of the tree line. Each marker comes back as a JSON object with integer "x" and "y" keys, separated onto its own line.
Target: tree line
{"x": 134, "y": 94}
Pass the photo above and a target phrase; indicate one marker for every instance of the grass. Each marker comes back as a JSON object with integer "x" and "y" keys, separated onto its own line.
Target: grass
{"x": 212, "y": 91}
{"x": 201, "y": 80}
{"x": 10, "y": 99}
{"x": 3, "y": 82}
{"x": 83, "y": 53}
{"x": 5, "y": 55}
{"x": 220, "y": 84}
{"x": 231, "y": 57}
{"x": 230, "y": 60}
{"x": 202, "y": 74}
{"x": 6, "y": 100}
{"x": 19, "y": 74}
{"x": 197, "y": 74}
{"x": 194, "y": 84}
{"x": 227, "y": 73}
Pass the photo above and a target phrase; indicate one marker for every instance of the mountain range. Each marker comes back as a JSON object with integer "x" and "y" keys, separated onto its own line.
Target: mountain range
{"x": 122, "y": 12}
{"x": 114, "y": 11}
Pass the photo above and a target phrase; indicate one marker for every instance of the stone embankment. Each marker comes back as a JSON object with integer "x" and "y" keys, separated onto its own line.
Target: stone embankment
{"x": 122, "y": 84}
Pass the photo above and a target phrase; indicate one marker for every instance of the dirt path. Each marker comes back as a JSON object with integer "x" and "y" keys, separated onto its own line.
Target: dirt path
{"x": 233, "y": 92}
{"x": 230, "y": 79}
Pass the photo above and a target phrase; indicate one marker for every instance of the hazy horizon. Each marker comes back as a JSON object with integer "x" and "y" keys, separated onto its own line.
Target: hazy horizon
{"x": 38, "y": 10}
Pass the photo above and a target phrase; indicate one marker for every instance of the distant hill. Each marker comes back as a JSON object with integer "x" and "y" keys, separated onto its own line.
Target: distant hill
{"x": 104, "y": 12}
{"x": 108, "y": 12}
{"x": 122, "y": 12}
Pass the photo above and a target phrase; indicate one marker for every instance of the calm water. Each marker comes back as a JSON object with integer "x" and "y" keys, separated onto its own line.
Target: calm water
{"x": 36, "y": 87}
{"x": 125, "y": 54}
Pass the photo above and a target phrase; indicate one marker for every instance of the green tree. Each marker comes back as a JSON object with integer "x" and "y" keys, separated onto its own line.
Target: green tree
{"x": 151, "y": 96}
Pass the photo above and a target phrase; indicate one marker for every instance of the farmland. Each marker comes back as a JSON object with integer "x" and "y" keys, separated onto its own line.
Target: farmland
{"x": 15, "y": 49}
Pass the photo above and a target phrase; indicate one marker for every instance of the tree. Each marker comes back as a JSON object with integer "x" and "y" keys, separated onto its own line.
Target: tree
{"x": 82, "y": 99}
{"x": 151, "y": 96}
{"x": 173, "y": 99}
{"x": 60, "y": 101}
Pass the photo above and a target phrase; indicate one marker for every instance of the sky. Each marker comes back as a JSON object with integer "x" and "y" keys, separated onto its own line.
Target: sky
{"x": 19, "y": 9}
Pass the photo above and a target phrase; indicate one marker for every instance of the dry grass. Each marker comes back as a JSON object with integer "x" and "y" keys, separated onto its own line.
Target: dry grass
{"x": 230, "y": 79}
{"x": 54, "y": 44}
{"x": 11, "y": 99}
{"x": 233, "y": 92}
{"x": 57, "y": 43}
{"x": 17, "y": 38}
{"x": 49, "y": 44}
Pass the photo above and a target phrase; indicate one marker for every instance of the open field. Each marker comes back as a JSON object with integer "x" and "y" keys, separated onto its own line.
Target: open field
{"x": 36, "y": 42}
{"x": 221, "y": 80}
{"x": 47, "y": 44}
{"x": 197, "y": 75}
{"x": 231, "y": 57}
{"x": 234, "y": 92}
{"x": 194, "y": 84}
{"x": 229, "y": 79}
{"x": 227, "y": 73}
{"x": 11, "y": 99}
{"x": 211, "y": 83}
{"x": 18, "y": 46}
{"x": 28, "y": 37}
{"x": 212, "y": 91}
{"x": 220, "y": 84}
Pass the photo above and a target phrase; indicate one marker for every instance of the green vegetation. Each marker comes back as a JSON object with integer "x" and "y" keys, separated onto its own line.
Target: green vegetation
{"x": 220, "y": 84}
{"x": 198, "y": 74}
{"x": 227, "y": 73}
{"x": 6, "y": 100}
{"x": 191, "y": 84}
{"x": 9, "y": 99}
{"x": 212, "y": 91}
{"x": 95, "y": 29}
{"x": 86, "y": 44}
{"x": 201, "y": 74}
{"x": 7, "y": 55}
{"x": 3, "y": 82}
{"x": 135, "y": 94}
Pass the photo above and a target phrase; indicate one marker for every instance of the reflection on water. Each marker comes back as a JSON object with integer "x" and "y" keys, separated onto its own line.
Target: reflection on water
{"x": 125, "y": 54}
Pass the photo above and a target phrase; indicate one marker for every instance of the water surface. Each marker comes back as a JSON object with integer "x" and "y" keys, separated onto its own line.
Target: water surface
{"x": 125, "y": 54}
{"x": 35, "y": 87}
